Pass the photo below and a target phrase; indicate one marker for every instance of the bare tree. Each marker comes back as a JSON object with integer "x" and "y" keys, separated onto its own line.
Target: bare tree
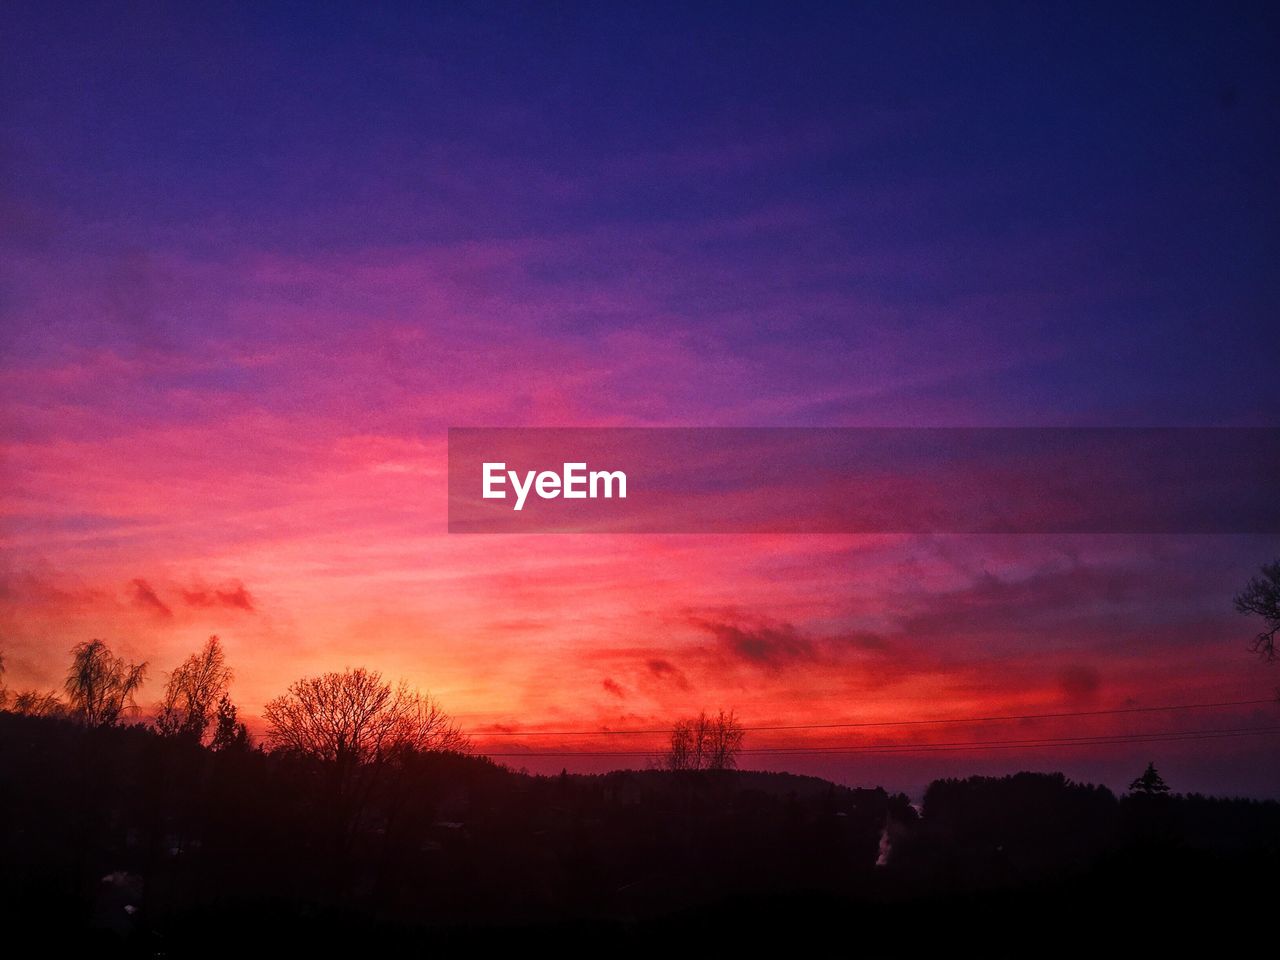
{"x": 363, "y": 729}
{"x": 33, "y": 703}
{"x": 724, "y": 741}
{"x": 356, "y": 717}
{"x": 100, "y": 686}
{"x": 193, "y": 691}
{"x": 682, "y": 753}
{"x": 705, "y": 743}
{"x": 1262, "y": 598}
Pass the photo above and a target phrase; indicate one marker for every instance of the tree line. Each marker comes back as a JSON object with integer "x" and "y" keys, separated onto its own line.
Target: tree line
{"x": 354, "y": 717}
{"x": 347, "y": 718}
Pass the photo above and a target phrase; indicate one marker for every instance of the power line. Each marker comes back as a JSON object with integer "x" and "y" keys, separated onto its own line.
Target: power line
{"x": 1162, "y": 736}
{"x": 498, "y": 735}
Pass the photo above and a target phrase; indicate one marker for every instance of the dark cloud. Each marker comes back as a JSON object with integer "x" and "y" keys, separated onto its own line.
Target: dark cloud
{"x": 1080, "y": 683}
{"x": 144, "y": 596}
{"x": 764, "y": 643}
{"x": 861, "y": 640}
{"x": 1076, "y": 600}
{"x": 613, "y": 687}
{"x": 666, "y": 670}
{"x": 232, "y": 595}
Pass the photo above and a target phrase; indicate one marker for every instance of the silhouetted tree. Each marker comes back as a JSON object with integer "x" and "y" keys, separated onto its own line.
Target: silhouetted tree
{"x": 193, "y": 692}
{"x": 724, "y": 742}
{"x": 705, "y": 743}
{"x": 1262, "y": 598}
{"x": 228, "y": 732}
{"x": 356, "y": 717}
{"x": 33, "y": 703}
{"x": 100, "y": 686}
{"x": 360, "y": 727}
{"x": 680, "y": 751}
{"x": 1150, "y": 784}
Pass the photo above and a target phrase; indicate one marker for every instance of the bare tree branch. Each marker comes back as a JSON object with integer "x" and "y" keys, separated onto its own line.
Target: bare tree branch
{"x": 705, "y": 743}
{"x": 100, "y": 686}
{"x": 192, "y": 692}
{"x": 356, "y": 717}
{"x": 1261, "y": 597}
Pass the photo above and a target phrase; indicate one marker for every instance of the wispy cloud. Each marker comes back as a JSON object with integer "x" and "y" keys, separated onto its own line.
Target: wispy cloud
{"x": 613, "y": 687}
{"x": 145, "y": 596}
{"x": 232, "y": 595}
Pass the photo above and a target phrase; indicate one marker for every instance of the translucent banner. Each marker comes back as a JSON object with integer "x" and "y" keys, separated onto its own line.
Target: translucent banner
{"x": 864, "y": 480}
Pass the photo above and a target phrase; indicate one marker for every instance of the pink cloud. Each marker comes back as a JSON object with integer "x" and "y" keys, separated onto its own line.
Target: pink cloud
{"x": 145, "y": 597}
{"x": 232, "y": 595}
{"x": 301, "y": 452}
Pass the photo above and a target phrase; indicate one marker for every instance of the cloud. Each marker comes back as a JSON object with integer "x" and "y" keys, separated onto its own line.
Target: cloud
{"x": 665, "y": 669}
{"x": 50, "y": 591}
{"x": 765, "y": 643}
{"x": 1080, "y": 683}
{"x": 862, "y": 640}
{"x": 613, "y": 687}
{"x": 146, "y": 598}
{"x": 232, "y": 595}
{"x": 1075, "y": 600}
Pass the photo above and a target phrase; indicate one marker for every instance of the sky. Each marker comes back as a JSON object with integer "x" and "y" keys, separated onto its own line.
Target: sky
{"x": 257, "y": 259}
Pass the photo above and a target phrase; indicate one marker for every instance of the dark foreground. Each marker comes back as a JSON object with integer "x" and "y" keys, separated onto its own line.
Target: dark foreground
{"x": 120, "y": 842}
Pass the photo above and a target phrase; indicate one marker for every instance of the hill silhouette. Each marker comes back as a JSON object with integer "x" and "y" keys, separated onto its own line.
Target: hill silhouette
{"x": 127, "y": 842}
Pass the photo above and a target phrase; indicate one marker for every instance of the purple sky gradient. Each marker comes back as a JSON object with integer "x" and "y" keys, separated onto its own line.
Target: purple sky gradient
{"x": 256, "y": 261}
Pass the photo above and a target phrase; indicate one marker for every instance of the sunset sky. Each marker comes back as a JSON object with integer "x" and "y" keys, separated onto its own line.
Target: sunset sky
{"x": 257, "y": 261}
